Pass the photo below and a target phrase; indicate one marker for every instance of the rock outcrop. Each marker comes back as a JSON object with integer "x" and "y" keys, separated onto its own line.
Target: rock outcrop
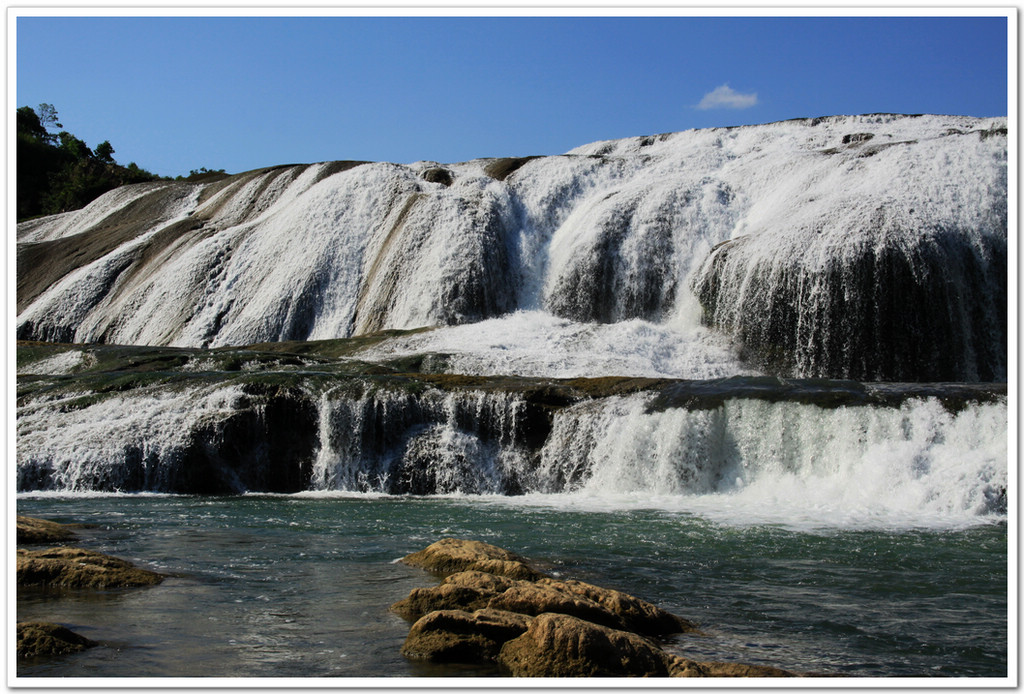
{"x": 44, "y": 638}
{"x": 458, "y": 636}
{"x": 540, "y": 626}
{"x": 70, "y": 567}
{"x": 559, "y": 645}
{"x": 38, "y": 531}
{"x": 449, "y": 556}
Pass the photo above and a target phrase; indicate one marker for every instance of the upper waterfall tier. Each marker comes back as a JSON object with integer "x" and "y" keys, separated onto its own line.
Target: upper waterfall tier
{"x": 850, "y": 238}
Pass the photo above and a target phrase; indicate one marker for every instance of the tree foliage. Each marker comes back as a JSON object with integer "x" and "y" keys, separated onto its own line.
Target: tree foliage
{"x": 58, "y": 172}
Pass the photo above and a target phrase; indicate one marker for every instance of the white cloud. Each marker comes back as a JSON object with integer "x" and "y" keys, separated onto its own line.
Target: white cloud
{"x": 726, "y": 97}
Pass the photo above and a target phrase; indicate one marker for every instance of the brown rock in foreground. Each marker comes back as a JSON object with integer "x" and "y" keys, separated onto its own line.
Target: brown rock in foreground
{"x": 39, "y": 531}
{"x": 473, "y": 590}
{"x": 44, "y": 638}
{"x": 450, "y": 555}
{"x": 457, "y": 636}
{"x": 70, "y": 567}
{"x": 682, "y": 667}
{"x": 559, "y": 645}
{"x": 492, "y": 607}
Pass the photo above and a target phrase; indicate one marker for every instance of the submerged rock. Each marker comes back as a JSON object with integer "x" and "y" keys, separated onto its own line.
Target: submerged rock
{"x": 70, "y": 567}
{"x": 40, "y": 531}
{"x": 44, "y": 638}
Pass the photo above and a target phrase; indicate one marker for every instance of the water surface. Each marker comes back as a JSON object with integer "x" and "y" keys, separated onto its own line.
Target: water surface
{"x": 299, "y": 586}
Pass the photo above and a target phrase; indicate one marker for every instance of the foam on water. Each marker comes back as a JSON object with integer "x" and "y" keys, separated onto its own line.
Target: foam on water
{"x": 736, "y": 461}
{"x": 753, "y": 462}
{"x": 537, "y": 343}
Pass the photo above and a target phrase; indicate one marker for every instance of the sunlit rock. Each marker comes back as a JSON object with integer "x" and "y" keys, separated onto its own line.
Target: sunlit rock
{"x": 69, "y": 567}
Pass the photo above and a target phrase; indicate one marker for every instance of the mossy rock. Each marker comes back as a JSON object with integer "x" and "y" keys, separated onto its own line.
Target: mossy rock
{"x": 451, "y": 555}
{"x": 45, "y": 639}
{"x": 71, "y": 567}
{"x": 40, "y": 531}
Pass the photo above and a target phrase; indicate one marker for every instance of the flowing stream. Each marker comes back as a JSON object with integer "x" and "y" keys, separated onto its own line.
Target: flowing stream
{"x": 298, "y": 586}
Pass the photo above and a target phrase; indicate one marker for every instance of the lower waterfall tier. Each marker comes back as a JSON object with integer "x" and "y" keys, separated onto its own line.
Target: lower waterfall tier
{"x": 160, "y": 423}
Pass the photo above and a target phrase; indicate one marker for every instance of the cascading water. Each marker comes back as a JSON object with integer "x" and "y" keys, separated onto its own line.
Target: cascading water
{"x": 868, "y": 247}
{"x": 435, "y": 443}
{"x": 766, "y": 461}
{"x": 800, "y": 450}
{"x": 607, "y": 359}
{"x": 849, "y": 239}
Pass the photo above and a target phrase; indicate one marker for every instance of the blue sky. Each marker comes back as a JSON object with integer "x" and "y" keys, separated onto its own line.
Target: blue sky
{"x": 178, "y": 93}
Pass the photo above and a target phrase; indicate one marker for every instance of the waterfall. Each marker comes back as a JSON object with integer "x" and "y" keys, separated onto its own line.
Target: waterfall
{"x": 844, "y": 247}
{"x": 435, "y": 443}
{"x": 782, "y": 447}
{"x": 658, "y": 319}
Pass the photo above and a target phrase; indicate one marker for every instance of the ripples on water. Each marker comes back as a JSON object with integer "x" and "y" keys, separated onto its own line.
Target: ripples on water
{"x": 299, "y": 586}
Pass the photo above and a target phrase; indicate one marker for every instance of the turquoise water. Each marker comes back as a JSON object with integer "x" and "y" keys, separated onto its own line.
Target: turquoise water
{"x": 299, "y": 586}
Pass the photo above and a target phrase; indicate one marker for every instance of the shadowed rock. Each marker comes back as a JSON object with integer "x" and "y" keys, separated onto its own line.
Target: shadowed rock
{"x": 438, "y": 174}
{"x": 422, "y": 601}
{"x": 44, "y": 638}
{"x": 681, "y": 667}
{"x": 458, "y": 636}
{"x": 69, "y": 567}
{"x": 39, "y": 531}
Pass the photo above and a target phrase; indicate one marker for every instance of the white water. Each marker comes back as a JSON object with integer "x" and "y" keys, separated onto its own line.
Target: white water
{"x": 611, "y": 232}
{"x": 744, "y": 461}
{"x": 579, "y": 265}
{"x": 119, "y": 442}
{"x": 536, "y": 343}
{"x": 754, "y": 462}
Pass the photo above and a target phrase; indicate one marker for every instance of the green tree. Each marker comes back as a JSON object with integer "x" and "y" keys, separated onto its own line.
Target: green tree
{"x": 48, "y": 117}
{"x": 105, "y": 152}
{"x": 58, "y": 172}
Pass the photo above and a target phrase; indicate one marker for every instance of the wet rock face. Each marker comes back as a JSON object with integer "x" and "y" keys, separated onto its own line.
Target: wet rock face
{"x": 438, "y": 174}
{"x": 927, "y": 311}
{"x": 539, "y": 626}
{"x": 266, "y": 446}
{"x": 69, "y": 567}
{"x": 43, "y": 638}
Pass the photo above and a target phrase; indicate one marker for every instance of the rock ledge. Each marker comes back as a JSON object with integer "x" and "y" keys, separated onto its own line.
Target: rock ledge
{"x": 44, "y": 638}
{"x": 492, "y": 607}
{"x": 71, "y": 567}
